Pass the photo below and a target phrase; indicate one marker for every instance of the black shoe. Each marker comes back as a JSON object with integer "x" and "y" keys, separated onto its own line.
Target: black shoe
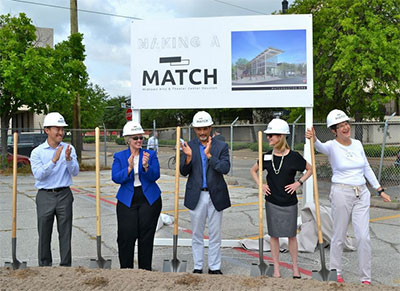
{"x": 296, "y": 277}
{"x": 215, "y": 272}
{"x": 197, "y": 271}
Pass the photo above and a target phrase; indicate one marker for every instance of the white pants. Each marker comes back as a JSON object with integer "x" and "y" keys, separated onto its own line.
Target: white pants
{"x": 345, "y": 205}
{"x": 205, "y": 209}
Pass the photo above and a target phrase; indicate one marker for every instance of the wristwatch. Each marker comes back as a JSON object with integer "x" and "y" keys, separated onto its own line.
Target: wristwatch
{"x": 380, "y": 191}
{"x": 300, "y": 181}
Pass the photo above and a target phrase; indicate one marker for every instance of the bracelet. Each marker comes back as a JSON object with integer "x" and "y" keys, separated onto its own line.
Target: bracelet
{"x": 380, "y": 191}
{"x": 300, "y": 181}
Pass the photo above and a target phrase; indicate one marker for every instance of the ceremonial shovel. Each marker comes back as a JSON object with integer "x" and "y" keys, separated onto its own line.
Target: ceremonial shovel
{"x": 175, "y": 265}
{"x": 100, "y": 262}
{"x": 324, "y": 274}
{"x": 261, "y": 269}
{"x": 15, "y": 264}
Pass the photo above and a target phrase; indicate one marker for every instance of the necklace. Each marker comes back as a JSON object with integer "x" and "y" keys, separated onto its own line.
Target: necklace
{"x": 280, "y": 164}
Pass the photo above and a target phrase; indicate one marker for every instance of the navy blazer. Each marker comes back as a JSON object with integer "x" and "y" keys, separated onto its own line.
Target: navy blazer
{"x": 217, "y": 166}
{"x": 148, "y": 178}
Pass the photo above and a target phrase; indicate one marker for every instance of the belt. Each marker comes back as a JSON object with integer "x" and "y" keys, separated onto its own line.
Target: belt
{"x": 204, "y": 189}
{"x": 55, "y": 189}
{"x": 357, "y": 189}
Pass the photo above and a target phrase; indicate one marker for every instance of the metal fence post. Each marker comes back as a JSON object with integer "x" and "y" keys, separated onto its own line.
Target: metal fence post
{"x": 383, "y": 146}
{"x": 232, "y": 124}
{"x": 105, "y": 145}
{"x": 294, "y": 130}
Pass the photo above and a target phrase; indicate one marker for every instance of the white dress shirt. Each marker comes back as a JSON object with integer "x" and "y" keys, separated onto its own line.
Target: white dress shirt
{"x": 49, "y": 175}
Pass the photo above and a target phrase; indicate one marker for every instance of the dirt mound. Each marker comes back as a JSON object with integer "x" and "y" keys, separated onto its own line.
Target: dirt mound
{"x": 80, "y": 278}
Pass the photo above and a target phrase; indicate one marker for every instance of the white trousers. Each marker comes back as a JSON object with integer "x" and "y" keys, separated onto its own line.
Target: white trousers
{"x": 205, "y": 209}
{"x": 345, "y": 204}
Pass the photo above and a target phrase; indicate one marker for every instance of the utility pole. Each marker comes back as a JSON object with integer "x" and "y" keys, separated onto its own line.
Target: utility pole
{"x": 285, "y": 5}
{"x": 76, "y": 122}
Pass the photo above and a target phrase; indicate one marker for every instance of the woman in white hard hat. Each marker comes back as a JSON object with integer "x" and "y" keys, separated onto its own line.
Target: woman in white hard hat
{"x": 139, "y": 198}
{"x": 349, "y": 194}
{"x": 282, "y": 164}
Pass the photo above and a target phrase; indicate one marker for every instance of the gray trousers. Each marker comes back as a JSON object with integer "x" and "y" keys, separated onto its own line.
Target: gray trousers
{"x": 205, "y": 210}
{"x": 48, "y": 206}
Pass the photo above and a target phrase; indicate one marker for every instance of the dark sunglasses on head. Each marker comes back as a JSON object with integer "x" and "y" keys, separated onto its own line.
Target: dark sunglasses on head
{"x": 137, "y": 137}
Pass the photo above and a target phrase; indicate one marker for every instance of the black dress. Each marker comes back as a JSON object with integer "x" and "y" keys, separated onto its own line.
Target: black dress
{"x": 280, "y": 206}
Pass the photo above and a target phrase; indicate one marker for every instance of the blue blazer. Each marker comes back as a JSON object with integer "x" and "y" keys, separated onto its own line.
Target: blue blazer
{"x": 148, "y": 179}
{"x": 217, "y": 166}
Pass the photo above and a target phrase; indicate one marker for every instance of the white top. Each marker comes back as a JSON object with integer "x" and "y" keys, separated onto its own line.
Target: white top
{"x": 152, "y": 144}
{"x": 49, "y": 175}
{"x": 136, "y": 182}
{"x": 349, "y": 163}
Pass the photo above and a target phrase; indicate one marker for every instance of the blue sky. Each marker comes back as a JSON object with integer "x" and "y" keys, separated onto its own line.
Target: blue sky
{"x": 248, "y": 44}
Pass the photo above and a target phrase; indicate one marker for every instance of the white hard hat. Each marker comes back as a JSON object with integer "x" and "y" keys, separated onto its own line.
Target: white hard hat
{"x": 277, "y": 126}
{"x": 202, "y": 119}
{"x": 336, "y": 116}
{"x": 132, "y": 128}
{"x": 54, "y": 119}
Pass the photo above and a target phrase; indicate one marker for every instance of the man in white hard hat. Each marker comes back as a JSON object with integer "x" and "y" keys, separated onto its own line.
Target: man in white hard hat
{"x": 53, "y": 165}
{"x": 205, "y": 160}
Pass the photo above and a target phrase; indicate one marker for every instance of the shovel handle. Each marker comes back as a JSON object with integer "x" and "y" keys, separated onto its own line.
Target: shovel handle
{"x": 260, "y": 186}
{"x": 97, "y": 131}
{"x": 14, "y": 193}
{"x": 177, "y": 165}
{"x": 315, "y": 185}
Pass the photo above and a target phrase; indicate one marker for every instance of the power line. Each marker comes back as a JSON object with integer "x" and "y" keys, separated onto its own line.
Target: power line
{"x": 81, "y": 10}
{"x": 124, "y": 16}
{"x": 240, "y": 7}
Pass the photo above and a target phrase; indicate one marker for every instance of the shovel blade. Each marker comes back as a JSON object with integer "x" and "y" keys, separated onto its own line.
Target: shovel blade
{"x": 100, "y": 263}
{"x": 174, "y": 266}
{"x": 15, "y": 265}
{"x": 261, "y": 269}
{"x": 325, "y": 275}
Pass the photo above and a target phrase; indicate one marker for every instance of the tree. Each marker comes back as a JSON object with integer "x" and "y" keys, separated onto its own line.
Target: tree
{"x": 26, "y": 74}
{"x": 114, "y": 114}
{"x": 72, "y": 76}
{"x": 93, "y": 103}
{"x": 356, "y": 48}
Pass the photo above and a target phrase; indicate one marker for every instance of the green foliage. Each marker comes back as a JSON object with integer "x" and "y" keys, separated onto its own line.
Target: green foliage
{"x": 175, "y": 117}
{"x": 72, "y": 78}
{"x": 265, "y": 147}
{"x": 120, "y": 141}
{"x": 114, "y": 115}
{"x": 356, "y": 45}
{"x": 26, "y": 76}
{"x": 375, "y": 150}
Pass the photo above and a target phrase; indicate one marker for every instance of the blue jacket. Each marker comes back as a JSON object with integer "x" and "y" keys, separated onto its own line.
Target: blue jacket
{"x": 217, "y": 166}
{"x": 148, "y": 179}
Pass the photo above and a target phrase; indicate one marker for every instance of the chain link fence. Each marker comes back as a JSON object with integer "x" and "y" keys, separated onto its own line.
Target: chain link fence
{"x": 382, "y": 147}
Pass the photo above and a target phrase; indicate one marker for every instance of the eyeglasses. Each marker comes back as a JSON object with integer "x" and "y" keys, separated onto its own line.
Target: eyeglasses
{"x": 137, "y": 137}
{"x": 270, "y": 135}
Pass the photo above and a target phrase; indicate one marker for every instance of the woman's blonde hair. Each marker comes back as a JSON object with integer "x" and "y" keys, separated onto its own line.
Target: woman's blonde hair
{"x": 282, "y": 144}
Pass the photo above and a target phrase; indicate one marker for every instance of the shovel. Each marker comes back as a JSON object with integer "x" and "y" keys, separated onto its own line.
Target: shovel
{"x": 175, "y": 265}
{"x": 324, "y": 274}
{"x": 262, "y": 269}
{"x": 15, "y": 264}
{"x": 100, "y": 262}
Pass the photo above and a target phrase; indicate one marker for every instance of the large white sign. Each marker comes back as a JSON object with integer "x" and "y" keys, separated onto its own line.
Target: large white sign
{"x": 221, "y": 62}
